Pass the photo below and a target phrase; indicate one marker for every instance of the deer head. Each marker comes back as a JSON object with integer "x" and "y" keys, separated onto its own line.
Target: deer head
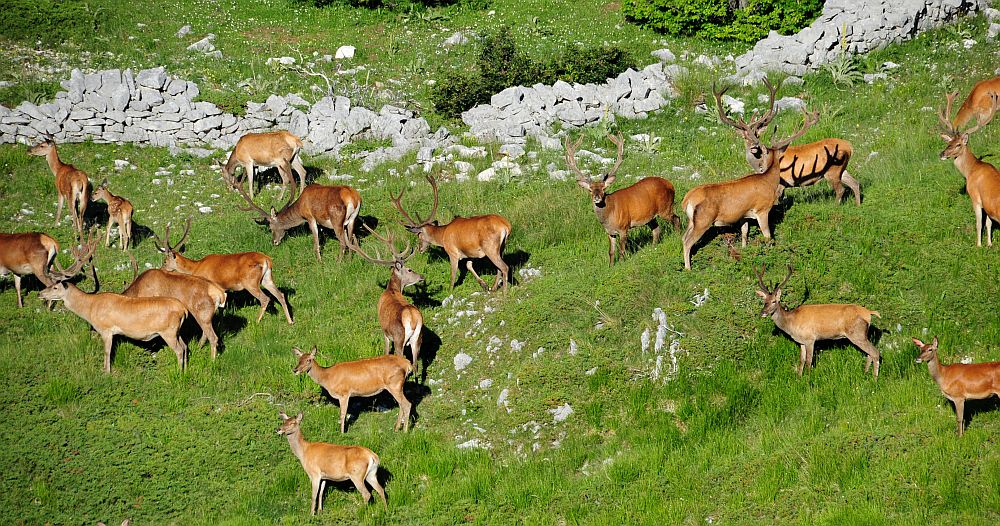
{"x": 289, "y": 425}
{"x": 43, "y": 148}
{"x": 270, "y": 218}
{"x": 169, "y": 251}
{"x": 927, "y": 350}
{"x": 772, "y": 296}
{"x": 958, "y": 140}
{"x": 82, "y": 253}
{"x": 306, "y": 360}
{"x": 397, "y": 262}
{"x": 597, "y": 188}
{"x": 757, "y": 153}
{"x": 418, "y": 225}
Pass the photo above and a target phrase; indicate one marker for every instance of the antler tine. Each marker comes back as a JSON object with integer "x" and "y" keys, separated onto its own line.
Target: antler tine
{"x": 723, "y": 114}
{"x": 619, "y": 141}
{"x": 983, "y": 121}
{"x": 163, "y": 244}
{"x": 787, "y": 276}
{"x": 571, "y": 148}
{"x": 760, "y": 279}
{"x": 945, "y": 114}
{"x": 808, "y": 120}
{"x": 253, "y": 206}
{"x": 399, "y": 206}
{"x": 758, "y": 124}
{"x": 184, "y": 236}
{"x": 351, "y": 244}
{"x": 434, "y": 209}
{"x": 82, "y": 253}
{"x": 135, "y": 266}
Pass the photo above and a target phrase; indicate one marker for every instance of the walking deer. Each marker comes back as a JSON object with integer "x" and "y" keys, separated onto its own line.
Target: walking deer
{"x": 119, "y": 211}
{"x": 960, "y": 381}
{"x": 979, "y": 103}
{"x": 277, "y": 149}
{"x": 807, "y": 324}
{"x": 27, "y": 253}
{"x": 71, "y": 184}
{"x": 323, "y": 462}
{"x": 635, "y": 205}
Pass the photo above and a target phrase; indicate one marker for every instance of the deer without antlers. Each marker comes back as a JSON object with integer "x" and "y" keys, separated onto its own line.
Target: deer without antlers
{"x": 27, "y": 253}
{"x": 635, "y": 205}
{"x": 463, "y": 238}
{"x": 71, "y": 184}
{"x": 960, "y": 381}
{"x": 119, "y": 211}
{"x": 979, "y": 103}
{"x": 278, "y": 149}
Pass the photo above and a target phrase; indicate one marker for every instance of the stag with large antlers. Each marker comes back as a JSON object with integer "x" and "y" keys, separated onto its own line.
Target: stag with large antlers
{"x": 982, "y": 179}
{"x": 27, "y": 253}
{"x": 731, "y": 202}
{"x": 807, "y": 324}
{"x": 277, "y": 149}
{"x": 960, "y": 381}
{"x": 233, "y": 272}
{"x": 978, "y": 104}
{"x": 71, "y": 184}
{"x": 119, "y": 211}
{"x": 801, "y": 165}
{"x": 635, "y": 205}
{"x": 463, "y": 238}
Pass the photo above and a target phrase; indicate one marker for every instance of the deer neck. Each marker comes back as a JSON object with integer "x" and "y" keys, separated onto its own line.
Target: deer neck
{"x": 966, "y": 162}
{"x": 289, "y": 217}
{"x": 298, "y": 444}
{"x": 185, "y": 265}
{"x": 395, "y": 285}
{"x": 52, "y": 158}
{"x": 434, "y": 233}
{"x": 317, "y": 372}
{"x": 78, "y": 301}
{"x": 934, "y": 367}
{"x": 780, "y": 317}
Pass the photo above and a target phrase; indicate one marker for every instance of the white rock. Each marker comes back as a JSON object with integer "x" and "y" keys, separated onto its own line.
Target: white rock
{"x": 183, "y": 31}
{"x": 485, "y": 383}
{"x": 457, "y": 39}
{"x": 344, "y": 52}
{"x": 284, "y": 61}
{"x": 462, "y": 361}
{"x": 205, "y": 209}
{"x": 487, "y": 174}
{"x": 664, "y": 55}
{"x": 471, "y": 444}
{"x": 561, "y": 413}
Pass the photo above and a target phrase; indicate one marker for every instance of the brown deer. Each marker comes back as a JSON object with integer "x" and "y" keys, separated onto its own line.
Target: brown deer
{"x": 982, "y": 179}
{"x": 365, "y": 377}
{"x": 334, "y": 207}
{"x": 730, "y": 202}
{"x": 119, "y": 211}
{"x": 801, "y": 165}
{"x": 233, "y": 272}
{"x": 401, "y": 322}
{"x": 807, "y": 324}
{"x": 960, "y": 381}
{"x": 979, "y": 103}
{"x": 277, "y": 149}
{"x": 636, "y": 205}
{"x": 200, "y": 296}
{"x": 463, "y": 238}
{"x": 27, "y": 253}
{"x": 71, "y": 184}
{"x": 323, "y": 462}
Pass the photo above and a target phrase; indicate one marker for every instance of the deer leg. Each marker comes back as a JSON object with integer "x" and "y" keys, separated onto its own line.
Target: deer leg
{"x": 109, "y": 340}
{"x": 262, "y": 298}
{"x": 82, "y": 207}
{"x": 415, "y": 343}
{"x": 208, "y": 332}
{"x": 623, "y": 244}
{"x": 853, "y": 184}
{"x": 107, "y": 234}
{"x": 810, "y": 353}
{"x": 691, "y": 236}
{"x": 344, "y": 402}
{"x": 248, "y": 170}
{"x": 322, "y": 490}
{"x": 503, "y": 271}
{"x": 454, "y": 269}
{"x": 59, "y": 207}
{"x": 388, "y": 342}
{"x": 469, "y": 267}
{"x": 960, "y": 415}
{"x": 656, "y": 231}
{"x": 315, "y": 232}
{"x": 838, "y": 188}
{"x": 372, "y": 478}
{"x": 316, "y": 493}
{"x": 978, "y": 209}
{"x": 301, "y": 170}
{"x": 273, "y": 289}
{"x": 178, "y": 347}
{"x": 765, "y": 227}
{"x": 404, "y": 405}
{"x": 17, "y": 288}
{"x": 126, "y": 233}
{"x": 359, "y": 482}
{"x": 802, "y": 359}
{"x": 612, "y": 250}
{"x": 744, "y": 230}
{"x": 989, "y": 231}
{"x": 874, "y": 357}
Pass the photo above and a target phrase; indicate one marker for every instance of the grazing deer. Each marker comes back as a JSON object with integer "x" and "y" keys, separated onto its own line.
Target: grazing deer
{"x": 807, "y": 324}
{"x": 463, "y": 238}
{"x": 277, "y": 149}
{"x": 401, "y": 322}
{"x": 27, "y": 253}
{"x": 113, "y": 314}
{"x": 119, "y": 211}
{"x": 334, "y": 207}
{"x": 960, "y": 381}
{"x": 801, "y": 165}
{"x": 979, "y": 103}
{"x": 730, "y": 202}
{"x": 323, "y": 462}
{"x": 233, "y": 272}
{"x": 982, "y": 179}
{"x": 635, "y": 205}
{"x": 200, "y": 296}
{"x": 71, "y": 184}
{"x": 365, "y": 377}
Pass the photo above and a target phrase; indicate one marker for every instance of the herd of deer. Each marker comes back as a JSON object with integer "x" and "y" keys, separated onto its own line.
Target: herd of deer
{"x": 158, "y": 301}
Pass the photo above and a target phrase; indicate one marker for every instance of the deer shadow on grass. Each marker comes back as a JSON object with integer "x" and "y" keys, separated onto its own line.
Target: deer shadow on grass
{"x": 380, "y": 403}
{"x": 774, "y": 218}
{"x": 238, "y": 300}
{"x": 347, "y": 487}
{"x": 974, "y": 407}
{"x": 483, "y": 266}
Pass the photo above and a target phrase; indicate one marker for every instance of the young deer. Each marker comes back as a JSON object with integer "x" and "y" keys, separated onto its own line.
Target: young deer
{"x": 463, "y": 238}
{"x": 278, "y": 149}
{"x": 71, "y": 184}
{"x": 807, "y": 324}
{"x": 982, "y": 179}
{"x": 27, "y": 253}
{"x": 628, "y": 207}
{"x": 323, "y": 462}
{"x": 365, "y": 377}
{"x": 730, "y": 202}
{"x": 401, "y": 322}
{"x": 979, "y": 103}
{"x": 119, "y": 211}
{"x": 960, "y": 381}
{"x": 233, "y": 272}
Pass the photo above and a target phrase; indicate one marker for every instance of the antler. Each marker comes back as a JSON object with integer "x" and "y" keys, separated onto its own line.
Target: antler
{"x": 390, "y": 243}
{"x": 983, "y": 121}
{"x": 410, "y": 222}
{"x": 945, "y": 114}
{"x": 135, "y": 266}
{"x": 619, "y": 141}
{"x": 760, "y": 279}
{"x": 571, "y": 148}
{"x": 253, "y": 206}
{"x": 756, "y": 124}
{"x": 787, "y": 276}
{"x": 808, "y": 120}
{"x": 164, "y": 244}
{"x": 82, "y": 253}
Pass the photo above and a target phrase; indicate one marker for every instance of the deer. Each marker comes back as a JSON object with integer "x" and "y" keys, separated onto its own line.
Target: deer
{"x": 960, "y": 381}
{"x": 801, "y": 165}
{"x": 277, "y": 149}
{"x": 401, "y": 322}
{"x": 979, "y": 103}
{"x": 334, "y": 207}
{"x": 200, "y": 296}
{"x": 323, "y": 461}
{"x": 982, "y": 179}
{"x": 27, "y": 253}
{"x": 114, "y": 314}
{"x": 365, "y": 377}
{"x": 119, "y": 211}
{"x": 749, "y": 197}
{"x": 807, "y": 324}
{"x": 71, "y": 184}
{"x": 233, "y": 272}
{"x": 635, "y": 205}
{"x": 463, "y": 238}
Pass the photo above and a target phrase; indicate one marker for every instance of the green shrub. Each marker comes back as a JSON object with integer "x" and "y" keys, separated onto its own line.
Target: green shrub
{"x": 48, "y": 21}
{"x": 718, "y": 19}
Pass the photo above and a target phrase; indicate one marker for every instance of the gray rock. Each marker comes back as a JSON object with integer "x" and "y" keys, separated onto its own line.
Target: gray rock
{"x": 512, "y": 151}
{"x": 152, "y": 78}
{"x": 456, "y": 39}
{"x": 183, "y": 31}
{"x": 664, "y": 55}
{"x": 204, "y": 45}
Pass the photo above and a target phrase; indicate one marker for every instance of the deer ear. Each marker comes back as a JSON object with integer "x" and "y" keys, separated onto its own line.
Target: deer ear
{"x": 283, "y": 415}
{"x": 918, "y": 343}
{"x": 313, "y": 353}
{"x": 761, "y": 293}
{"x": 298, "y": 353}
{"x": 608, "y": 181}
{"x": 934, "y": 343}
{"x": 298, "y": 418}
{"x": 583, "y": 184}
{"x": 946, "y": 137}
{"x": 777, "y": 295}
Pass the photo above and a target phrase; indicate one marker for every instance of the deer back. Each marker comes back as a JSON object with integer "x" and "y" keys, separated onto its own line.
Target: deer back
{"x": 471, "y": 237}
{"x": 637, "y": 204}
{"x": 138, "y": 318}
{"x": 826, "y": 321}
{"x": 327, "y": 203}
{"x": 268, "y": 148}
{"x": 730, "y": 201}
{"x": 229, "y": 271}
{"x": 365, "y": 377}
{"x": 973, "y": 380}
{"x": 197, "y": 294}
{"x": 336, "y": 462}
{"x": 979, "y": 102}
{"x": 29, "y": 252}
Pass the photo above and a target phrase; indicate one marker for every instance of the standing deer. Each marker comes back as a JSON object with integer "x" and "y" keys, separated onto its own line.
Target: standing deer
{"x": 807, "y": 324}
{"x": 323, "y": 462}
{"x": 960, "y": 381}
{"x": 365, "y": 377}
{"x": 730, "y": 202}
{"x": 801, "y": 165}
{"x": 628, "y": 207}
{"x": 71, "y": 184}
{"x": 277, "y": 149}
{"x": 463, "y": 238}
{"x": 119, "y": 211}
{"x": 979, "y": 103}
{"x": 233, "y": 272}
{"x": 27, "y": 253}
{"x": 982, "y": 179}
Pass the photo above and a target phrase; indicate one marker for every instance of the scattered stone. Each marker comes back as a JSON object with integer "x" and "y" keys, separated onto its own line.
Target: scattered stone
{"x": 561, "y": 413}
{"x": 204, "y": 45}
{"x": 183, "y": 31}
{"x": 344, "y": 52}
{"x": 457, "y": 39}
{"x": 462, "y": 361}
{"x": 664, "y": 55}
{"x": 284, "y": 61}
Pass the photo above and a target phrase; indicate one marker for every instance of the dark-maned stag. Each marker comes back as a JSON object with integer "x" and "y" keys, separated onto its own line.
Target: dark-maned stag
{"x": 979, "y": 103}
{"x": 71, "y": 184}
{"x": 278, "y": 149}
{"x": 27, "y": 253}
{"x": 119, "y": 211}
{"x": 960, "y": 381}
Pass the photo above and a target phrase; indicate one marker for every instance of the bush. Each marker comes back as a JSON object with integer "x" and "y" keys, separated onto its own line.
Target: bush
{"x": 720, "y": 20}
{"x": 49, "y": 21}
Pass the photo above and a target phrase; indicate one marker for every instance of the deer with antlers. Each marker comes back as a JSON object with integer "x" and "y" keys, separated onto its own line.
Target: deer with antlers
{"x": 636, "y": 205}
{"x": 27, "y": 253}
{"x": 119, "y": 211}
{"x": 277, "y": 149}
{"x": 807, "y": 324}
{"x": 960, "y": 381}
{"x": 978, "y": 104}
{"x": 463, "y": 238}
{"x": 800, "y": 165}
{"x": 730, "y": 202}
{"x": 71, "y": 184}
{"x": 982, "y": 179}
{"x": 233, "y": 272}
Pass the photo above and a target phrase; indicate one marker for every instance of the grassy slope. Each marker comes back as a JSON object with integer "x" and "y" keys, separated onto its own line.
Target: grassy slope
{"x": 736, "y": 437}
